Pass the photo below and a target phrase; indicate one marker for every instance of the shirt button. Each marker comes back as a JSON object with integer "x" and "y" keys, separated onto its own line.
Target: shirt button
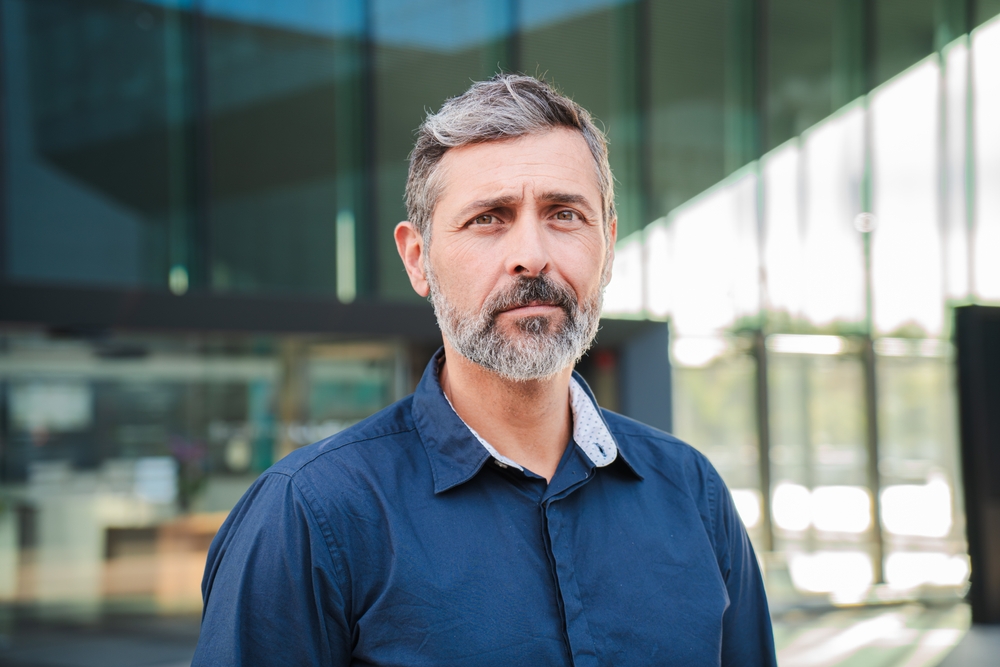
{"x": 499, "y": 464}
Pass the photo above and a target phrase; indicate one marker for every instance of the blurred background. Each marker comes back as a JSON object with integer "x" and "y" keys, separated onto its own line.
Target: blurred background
{"x": 197, "y": 275}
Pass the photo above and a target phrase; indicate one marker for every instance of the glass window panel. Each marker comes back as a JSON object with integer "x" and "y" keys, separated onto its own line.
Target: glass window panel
{"x": 123, "y": 455}
{"x": 657, "y": 287}
{"x": 800, "y": 47}
{"x": 956, "y": 226}
{"x": 97, "y": 96}
{"x": 782, "y": 231}
{"x": 907, "y": 275}
{"x": 416, "y": 70}
{"x": 820, "y": 500}
{"x": 832, "y": 256}
{"x": 713, "y": 408}
{"x": 919, "y": 464}
{"x": 624, "y": 294}
{"x": 986, "y": 131}
{"x": 272, "y": 107}
{"x": 987, "y": 10}
{"x": 904, "y": 35}
{"x": 714, "y": 259}
{"x": 687, "y": 86}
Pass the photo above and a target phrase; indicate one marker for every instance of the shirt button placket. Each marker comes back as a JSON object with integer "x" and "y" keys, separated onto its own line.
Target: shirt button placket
{"x": 581, "y": 640}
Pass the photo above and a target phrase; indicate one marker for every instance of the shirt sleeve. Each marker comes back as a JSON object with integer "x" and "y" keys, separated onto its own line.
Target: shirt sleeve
{"x": 747, "y": 636}
{"x": 270, "y": 589}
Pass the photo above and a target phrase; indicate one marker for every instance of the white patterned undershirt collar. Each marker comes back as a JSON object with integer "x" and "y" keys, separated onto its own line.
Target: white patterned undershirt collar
{"x": 589, "y": 430}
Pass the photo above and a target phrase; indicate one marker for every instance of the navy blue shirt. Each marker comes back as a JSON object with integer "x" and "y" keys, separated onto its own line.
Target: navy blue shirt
{"x": 402, "y": 541}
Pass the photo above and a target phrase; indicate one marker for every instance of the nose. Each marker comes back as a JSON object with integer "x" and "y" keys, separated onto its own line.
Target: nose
{"x": 527, "y": 252}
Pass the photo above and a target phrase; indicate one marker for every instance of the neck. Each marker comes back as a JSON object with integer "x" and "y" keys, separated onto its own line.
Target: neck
{"x": 529, "y": 422}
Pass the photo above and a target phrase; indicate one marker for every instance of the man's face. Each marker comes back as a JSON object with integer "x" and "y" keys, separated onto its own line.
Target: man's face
{"x": 519, "y": 254}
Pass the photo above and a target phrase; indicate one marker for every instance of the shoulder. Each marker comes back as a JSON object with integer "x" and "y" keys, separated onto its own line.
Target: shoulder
{"x": 363, "y": 443}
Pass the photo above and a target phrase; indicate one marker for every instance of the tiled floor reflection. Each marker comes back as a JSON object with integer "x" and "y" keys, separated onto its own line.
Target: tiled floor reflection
{"x": 909, "y": 635}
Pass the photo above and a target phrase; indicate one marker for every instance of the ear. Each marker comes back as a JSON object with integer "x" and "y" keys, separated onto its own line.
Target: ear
{"x": 410, "y": 245}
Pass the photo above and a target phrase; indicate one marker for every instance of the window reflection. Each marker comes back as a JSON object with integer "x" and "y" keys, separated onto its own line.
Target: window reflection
{"x": 122, "y": 456}
{"x": 907, "y": 280}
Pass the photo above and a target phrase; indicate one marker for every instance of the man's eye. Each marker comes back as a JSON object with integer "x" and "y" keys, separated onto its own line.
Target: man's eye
{"x": 483, "y": 220}
{"x": 566, "y": 215}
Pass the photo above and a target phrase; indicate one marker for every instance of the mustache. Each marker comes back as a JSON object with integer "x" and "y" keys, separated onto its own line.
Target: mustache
{"x": 527, "y": 291}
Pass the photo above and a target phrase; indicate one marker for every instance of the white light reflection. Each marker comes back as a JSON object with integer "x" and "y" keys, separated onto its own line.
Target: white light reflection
{"x": 832, "y": 257}
{"x": 847, "y": 575}
{"x": 834, "y": 509}
{"x": 956, "y": 236}
{"x": 623, "y": 295}
{"x": 747, "y": 503}
{"x": 658, "y": 285}
{"x": 782, "y": 241}
{"x": 796, "y": 344}
{"x": 696, "y": 352}
{"x": 713, "y": 260}
{"x": 790, "y": 506}
{"x": 907, "y": 570}
{"x": 918, "y": 510}
{"x": 841, "y": 509}
{"x": 907, "y": 271}
{"x": 986, "y": 110}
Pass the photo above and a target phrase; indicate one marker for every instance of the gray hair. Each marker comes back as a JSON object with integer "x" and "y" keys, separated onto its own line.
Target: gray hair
{"x": 505, "y": 107}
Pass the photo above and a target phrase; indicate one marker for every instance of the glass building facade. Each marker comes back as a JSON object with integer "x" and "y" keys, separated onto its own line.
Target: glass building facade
{"x": 197, "y": 271}
{"x": 809, "y": 296}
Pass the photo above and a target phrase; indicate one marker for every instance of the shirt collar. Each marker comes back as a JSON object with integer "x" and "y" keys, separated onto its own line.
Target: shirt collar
{"x": 457, "y": 452}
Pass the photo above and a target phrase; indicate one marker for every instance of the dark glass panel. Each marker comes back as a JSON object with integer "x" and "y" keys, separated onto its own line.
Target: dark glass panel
{"x": 687, "y": 89}
{"x": 98, "y": 126}
{"x": 904, "y": 33}
{"x": 272, "y": 94}
{"x": 799, "y": 77}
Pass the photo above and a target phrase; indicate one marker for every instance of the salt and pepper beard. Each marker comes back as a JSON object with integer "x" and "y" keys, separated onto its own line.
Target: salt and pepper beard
{"x": 545, "y": 345}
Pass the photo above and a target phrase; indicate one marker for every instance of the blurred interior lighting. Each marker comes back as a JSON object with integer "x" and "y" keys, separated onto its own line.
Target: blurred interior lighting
{"x": 909, "y": 347}
{"x": 790, "y": 506}
{"x": 696, "y": 352}
{"x": 986, "y": 109}
{"x": 841, "y": 509}
{"x": 906, "y": 570}
{"x": 347, "y": 279}
{"x": 796, "y": 344}
{"x": 846, "y": 575}
{"x": 747, "y": 503}
{"x": 918, "y": 510}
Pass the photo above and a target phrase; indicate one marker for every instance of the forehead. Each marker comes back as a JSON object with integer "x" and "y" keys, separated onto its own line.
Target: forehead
{"x": 557, "y": 160}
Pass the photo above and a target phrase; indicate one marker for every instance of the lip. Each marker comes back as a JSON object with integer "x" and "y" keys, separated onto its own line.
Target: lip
{"x": 532, "y": 309}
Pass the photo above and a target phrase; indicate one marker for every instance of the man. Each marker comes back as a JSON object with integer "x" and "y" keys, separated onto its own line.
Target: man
{"x": 497, "y": 516}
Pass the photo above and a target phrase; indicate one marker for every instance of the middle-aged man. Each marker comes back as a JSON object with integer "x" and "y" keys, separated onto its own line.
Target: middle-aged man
{"x": 497, "y": 516}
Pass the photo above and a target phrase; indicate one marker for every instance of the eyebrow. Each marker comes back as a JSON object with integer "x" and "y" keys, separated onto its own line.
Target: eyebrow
{"x": 504, "y": 201}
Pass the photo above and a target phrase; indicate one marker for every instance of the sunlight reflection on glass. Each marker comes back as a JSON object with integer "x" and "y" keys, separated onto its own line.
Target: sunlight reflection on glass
{"x": 907, "y": 570}
{"x": 847, "y": 575}
{"x": 956, "y": 239}
{"x": 986, "y": 83}
{"x": 832, "y": 257}
{"x": 790, "y": 506}
{"x": 841, "y": 509}
{"x": 907, "y": 280}
{"x": 658, "y": 286}
{"x": 713, "y": 259}
{"x": 623, "y": 295}
{"x": 696, "y": 352}
{"x": 782, "y": 240}
{"x": 918, "y": 510}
